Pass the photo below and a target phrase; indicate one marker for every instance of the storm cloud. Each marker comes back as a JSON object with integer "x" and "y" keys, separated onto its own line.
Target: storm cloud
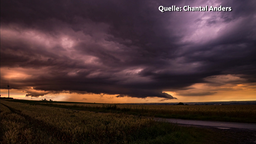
{"x": 124, "y": 48}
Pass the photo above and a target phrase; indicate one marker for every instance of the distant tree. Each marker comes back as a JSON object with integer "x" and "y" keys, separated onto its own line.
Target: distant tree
{"x": 180, "y": 103}
{"x": 44, "y": 99}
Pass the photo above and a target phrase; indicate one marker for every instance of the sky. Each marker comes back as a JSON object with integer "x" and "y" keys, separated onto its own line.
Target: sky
{"x": 128, "y": 52}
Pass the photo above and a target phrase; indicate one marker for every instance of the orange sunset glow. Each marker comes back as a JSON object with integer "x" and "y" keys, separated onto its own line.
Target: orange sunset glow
{"x": 221, "y": 92}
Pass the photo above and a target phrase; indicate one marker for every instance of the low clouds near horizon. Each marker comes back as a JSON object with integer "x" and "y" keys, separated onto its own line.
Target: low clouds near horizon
{"x": 126, "y": 48}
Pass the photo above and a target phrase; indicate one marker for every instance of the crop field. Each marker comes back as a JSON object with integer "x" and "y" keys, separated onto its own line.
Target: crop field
{"x": 40, "y": 123}
{"x": 233, "y": 113}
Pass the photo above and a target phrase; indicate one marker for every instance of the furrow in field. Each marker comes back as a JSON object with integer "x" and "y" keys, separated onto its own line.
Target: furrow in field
{"x": 43, "y": 126}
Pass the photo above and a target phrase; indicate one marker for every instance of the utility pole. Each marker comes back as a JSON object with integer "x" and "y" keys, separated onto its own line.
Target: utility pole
{"x": 8, "y": 91}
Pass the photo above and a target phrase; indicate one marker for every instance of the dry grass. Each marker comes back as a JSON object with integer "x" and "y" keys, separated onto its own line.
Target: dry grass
{"x": 34, "y": 123}
{"x": 235, "y": 113}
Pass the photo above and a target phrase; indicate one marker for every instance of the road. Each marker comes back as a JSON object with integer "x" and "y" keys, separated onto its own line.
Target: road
{"x": 216, "y": 124}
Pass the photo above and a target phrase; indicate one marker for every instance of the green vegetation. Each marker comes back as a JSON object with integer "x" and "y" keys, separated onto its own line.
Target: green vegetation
{"x": 234, "y": 113}
{"x": 33, "y": 123}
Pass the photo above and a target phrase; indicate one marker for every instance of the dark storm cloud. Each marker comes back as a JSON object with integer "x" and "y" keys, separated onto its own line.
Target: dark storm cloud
{"x": 35, "y": 94}
{"x": 124, "y": 48}
{"x": 240, "y": 9}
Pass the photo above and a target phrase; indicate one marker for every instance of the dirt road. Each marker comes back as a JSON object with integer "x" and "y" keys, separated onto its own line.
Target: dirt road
{"x": 216, "y": 124}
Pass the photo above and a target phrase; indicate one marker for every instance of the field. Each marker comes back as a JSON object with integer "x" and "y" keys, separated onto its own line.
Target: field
{"x": 231, "y": 113}
{"x": 44, "y": 122}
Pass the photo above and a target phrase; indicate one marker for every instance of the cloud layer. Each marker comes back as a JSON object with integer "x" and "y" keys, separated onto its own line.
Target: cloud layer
{"x": 124, "y": 48}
